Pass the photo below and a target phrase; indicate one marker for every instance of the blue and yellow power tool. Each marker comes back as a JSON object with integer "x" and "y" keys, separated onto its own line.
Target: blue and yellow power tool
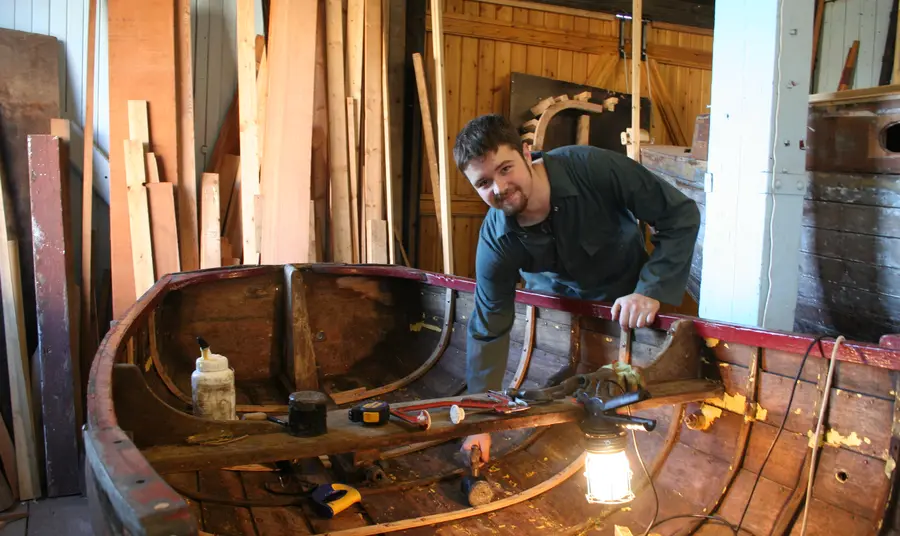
{"x": 331, "y": 499}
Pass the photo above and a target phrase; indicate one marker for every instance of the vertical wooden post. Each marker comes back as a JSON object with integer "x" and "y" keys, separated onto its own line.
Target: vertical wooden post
{"x": 88, "y": 330}
{"x": 53, "y": 286}
{"x": 386, "y": 105}
{"x": 437, "y": 35}
{"x": 636, "y": 27}
{"x": 187, "y": 167}
{"x": 373, "y": 169}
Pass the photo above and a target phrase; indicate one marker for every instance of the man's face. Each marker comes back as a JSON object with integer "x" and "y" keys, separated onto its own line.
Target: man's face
{"x": 503, "y": 179}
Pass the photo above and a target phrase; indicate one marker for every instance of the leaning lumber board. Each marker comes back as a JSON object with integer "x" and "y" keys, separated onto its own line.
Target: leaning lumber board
{"x": 228, "y": 174}
{"x": 437, "y": 35}
{"x": 138, "y": 216}
{"x": 634, "y": 148}
{"x": 319, "y": 170}
{"x": 163, "y": 228}
{"x": 152, "y": 168}
{"x": 373, "y": 169}
{"x": 54, "y": 278}
{"x": 353, "y": 166}
{"x": 428, "y": 135}
{"x": 286, "y": 165}
{"x": 187, "y": 168}
{"x": 356, "y": 13}
{"x": 386, "y": 115}
{"x": 142, "y": 66}
{"x": 247, "y": 109}
{"x": 30, "y": 94}
{"x": 232, "y": 226}
{"x": 16, "y": 356}
{"x": 376, "y": 237}
{"x": 210, "y": 237}
{"x": 342, "y": 238}
{"x": 89, "y": 339}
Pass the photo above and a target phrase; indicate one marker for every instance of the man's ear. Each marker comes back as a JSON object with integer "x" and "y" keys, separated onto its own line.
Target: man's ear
{"x": 526, "y": 152}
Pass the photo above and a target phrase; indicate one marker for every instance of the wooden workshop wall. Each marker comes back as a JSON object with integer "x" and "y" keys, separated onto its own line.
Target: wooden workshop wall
{"x": 477, "y": 71}
{"x": 844, "y": 22}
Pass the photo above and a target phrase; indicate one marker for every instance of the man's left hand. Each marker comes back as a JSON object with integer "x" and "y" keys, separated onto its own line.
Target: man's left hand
{"x": 635, "y": 311}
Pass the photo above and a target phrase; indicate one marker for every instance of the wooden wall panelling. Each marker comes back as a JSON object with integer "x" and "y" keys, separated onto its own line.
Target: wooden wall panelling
{"x": 55, "y": 284}
{"x": 142, "y": 66}
{"x": 29, "y": 99}
{"x": 846, "y": 21}
{"x": 288, "y": 154}
{"x": 485, "y": 47}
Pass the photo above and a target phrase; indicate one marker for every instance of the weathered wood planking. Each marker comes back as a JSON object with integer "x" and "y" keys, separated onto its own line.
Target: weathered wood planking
{"x": 142, "y": 66}
{"x": 54, "y": 293}
{"x": 478, "y": 68}
{"x": 29, "y": 99}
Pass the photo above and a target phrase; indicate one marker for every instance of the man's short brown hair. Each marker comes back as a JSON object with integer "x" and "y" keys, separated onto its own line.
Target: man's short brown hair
{"x": 483, "y": 135}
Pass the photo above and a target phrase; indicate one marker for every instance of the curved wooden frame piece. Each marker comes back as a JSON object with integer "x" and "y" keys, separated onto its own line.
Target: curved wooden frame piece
{"x": 346, "y": 397}
{"x": 527, "y": 347}
{"x": 544, "y": 123}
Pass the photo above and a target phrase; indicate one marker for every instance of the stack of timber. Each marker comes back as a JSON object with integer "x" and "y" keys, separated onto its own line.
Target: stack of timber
{"x": 297, "y": 171}
{"x": 49, "y": 320}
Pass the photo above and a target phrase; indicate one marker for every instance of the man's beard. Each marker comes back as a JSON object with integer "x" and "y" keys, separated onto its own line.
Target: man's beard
{"x": 502, "y": 201}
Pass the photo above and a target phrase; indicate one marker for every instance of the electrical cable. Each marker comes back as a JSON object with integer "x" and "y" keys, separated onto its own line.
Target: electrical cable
{"x": 787, "y": 411}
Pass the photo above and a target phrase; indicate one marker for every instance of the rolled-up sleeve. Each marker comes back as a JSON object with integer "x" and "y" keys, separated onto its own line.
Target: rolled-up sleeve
{"x": 487, "y": 343}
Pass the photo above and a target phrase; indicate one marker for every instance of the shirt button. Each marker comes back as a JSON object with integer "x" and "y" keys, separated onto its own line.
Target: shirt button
{"x": 524, "y": 236}
{"x": 555, "y": 209}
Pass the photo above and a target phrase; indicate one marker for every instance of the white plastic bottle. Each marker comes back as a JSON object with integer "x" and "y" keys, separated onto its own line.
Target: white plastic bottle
{"x": 212, "y": 386}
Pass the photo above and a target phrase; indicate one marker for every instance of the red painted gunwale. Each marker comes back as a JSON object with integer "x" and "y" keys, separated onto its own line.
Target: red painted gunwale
{"x": 139, "y": 493}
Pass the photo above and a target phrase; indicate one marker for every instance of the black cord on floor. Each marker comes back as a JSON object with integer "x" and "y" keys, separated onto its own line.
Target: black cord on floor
{"x": 787, "y": 411}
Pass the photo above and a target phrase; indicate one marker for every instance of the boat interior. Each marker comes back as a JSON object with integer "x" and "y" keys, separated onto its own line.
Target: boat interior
{"x": 736, "y": 411}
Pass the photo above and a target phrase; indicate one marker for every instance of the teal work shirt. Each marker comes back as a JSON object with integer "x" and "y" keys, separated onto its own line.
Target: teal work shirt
{"x": 589, "y": 247}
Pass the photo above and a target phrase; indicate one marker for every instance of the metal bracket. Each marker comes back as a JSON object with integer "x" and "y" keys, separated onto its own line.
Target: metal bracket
{"x": 622, "y": 17}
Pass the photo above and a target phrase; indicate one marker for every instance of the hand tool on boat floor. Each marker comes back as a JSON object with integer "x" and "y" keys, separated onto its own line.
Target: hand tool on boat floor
{"x": 377, "y": 413}
{"x": 476, "y": 488}
{"x": 331, "y": 499}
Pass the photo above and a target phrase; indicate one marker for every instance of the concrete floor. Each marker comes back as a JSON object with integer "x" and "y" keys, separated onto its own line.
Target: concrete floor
{"x": 51, "y": 517}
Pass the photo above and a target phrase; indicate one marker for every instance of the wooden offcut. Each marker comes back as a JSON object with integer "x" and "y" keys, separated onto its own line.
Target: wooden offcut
{"x": 210, "y": 237}
{"x": 152, "y": 168}
{"x": 142, "y": 66}
{"x": 54, "y": 288}
{"x": 163, "y": 228}
{"x": 286, "y": 164}
{"x": 139, "y": 216}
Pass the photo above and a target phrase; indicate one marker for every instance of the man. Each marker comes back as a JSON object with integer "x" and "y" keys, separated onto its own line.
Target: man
{"x": 566, "y": 220}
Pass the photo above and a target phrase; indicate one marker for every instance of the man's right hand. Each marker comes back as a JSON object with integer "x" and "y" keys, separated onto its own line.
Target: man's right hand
{"x": 484, "y": 443}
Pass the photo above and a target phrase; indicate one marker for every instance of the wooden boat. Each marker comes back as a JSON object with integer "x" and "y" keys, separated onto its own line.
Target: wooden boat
{"x": 735, "y": 410}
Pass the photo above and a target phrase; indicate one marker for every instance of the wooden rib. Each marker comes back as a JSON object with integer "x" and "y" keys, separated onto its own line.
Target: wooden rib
{"x": 345, "y": 397}
{"x": 386, "y": 115}
{"x": 434, "y": 519}
{"x": 743, "y": 440}
{"x": 187, "y": 168}
{"x": 353, "y": 167}
{"x": 789, "y": 511}
{"x": 428, "y": 137}
{"x": 341, "y": 234}
{"x": 664, "y": 101}
{"x": 440, "y": 91}
{"x": 541, "y": 132}
{"x": 247, "y": 109}
{"x": 210, "y": 239}
{"x": 527, "y": 348}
